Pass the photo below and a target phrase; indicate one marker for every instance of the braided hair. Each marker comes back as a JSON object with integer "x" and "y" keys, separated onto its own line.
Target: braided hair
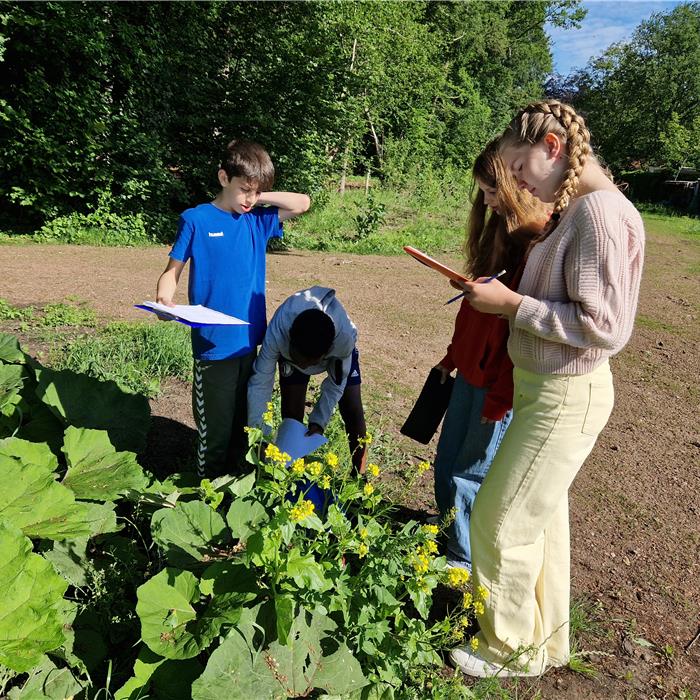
{"x": 532, "y": 123}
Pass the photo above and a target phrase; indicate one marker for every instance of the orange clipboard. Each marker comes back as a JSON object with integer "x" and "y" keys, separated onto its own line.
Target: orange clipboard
{"x": 421, "y": 257}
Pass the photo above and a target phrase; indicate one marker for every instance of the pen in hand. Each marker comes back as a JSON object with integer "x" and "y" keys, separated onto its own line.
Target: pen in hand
{"x": 461, "y": 294}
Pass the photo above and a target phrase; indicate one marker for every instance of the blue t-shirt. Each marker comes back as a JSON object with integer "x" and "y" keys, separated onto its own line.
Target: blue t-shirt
{"x": 227, "y": 273}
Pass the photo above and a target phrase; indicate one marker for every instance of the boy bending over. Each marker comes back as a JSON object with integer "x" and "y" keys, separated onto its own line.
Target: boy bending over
{"x": 311, "y": 333}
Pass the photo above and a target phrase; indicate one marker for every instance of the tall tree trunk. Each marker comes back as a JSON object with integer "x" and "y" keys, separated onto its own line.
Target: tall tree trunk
{"x": 346, "y": 154}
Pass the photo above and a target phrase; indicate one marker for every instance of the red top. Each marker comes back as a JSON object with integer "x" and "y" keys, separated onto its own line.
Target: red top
{"x": 478, "y": 351}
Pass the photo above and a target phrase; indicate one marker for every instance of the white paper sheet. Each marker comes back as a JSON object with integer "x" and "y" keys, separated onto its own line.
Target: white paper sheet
{"x": 196, "y": 314}
{"x": 292, "y": 439}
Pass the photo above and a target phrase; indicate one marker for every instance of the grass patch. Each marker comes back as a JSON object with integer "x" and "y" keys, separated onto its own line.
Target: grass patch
{"x": 585, "y": 624}
{"x": 654, "y": 324}
{"x": 68, "y": 315}
{"x": 662, "y": 224}
{"x": 137, "y": 356}
{"x": 15, "y": 313}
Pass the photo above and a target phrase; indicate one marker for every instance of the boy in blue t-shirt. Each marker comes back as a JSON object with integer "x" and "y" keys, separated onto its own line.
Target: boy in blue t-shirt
{"x": 225, "y": 240}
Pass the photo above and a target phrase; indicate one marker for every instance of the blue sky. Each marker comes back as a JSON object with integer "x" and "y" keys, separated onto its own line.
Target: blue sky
{"x": 607, "y": 22}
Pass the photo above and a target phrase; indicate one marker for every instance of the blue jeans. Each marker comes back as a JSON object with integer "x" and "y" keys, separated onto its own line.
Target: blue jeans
{"x": 465, "y": 451}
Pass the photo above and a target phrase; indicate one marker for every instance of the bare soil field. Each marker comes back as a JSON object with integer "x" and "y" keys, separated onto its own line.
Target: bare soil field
{"x": 635, "y": 506}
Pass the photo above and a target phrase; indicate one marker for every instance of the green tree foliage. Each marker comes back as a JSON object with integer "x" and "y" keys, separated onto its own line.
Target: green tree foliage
{"x": 642, "y": 98}
{"x": 124, "y": 108}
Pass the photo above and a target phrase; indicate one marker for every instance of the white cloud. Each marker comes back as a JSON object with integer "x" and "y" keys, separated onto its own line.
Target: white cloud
{"x": 606, "y": 23}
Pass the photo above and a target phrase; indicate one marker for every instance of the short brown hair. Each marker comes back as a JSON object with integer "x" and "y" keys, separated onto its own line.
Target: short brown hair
{"x": 249, "y": 160}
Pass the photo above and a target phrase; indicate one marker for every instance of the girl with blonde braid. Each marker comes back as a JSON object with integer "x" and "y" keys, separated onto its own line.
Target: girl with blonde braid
{"x": 574, "y": 308}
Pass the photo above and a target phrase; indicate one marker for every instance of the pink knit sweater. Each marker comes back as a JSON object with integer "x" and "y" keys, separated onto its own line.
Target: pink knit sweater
{"x": 580, "y": 288}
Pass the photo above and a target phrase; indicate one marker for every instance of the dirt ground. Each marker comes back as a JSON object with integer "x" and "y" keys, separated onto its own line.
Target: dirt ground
{"x": 635, "y": 506}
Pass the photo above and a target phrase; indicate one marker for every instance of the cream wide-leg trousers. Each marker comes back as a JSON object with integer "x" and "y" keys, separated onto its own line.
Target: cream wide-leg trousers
{"x": 520, "y": 521}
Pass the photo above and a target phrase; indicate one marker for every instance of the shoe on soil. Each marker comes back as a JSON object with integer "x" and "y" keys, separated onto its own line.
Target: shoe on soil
{"x": 458, "y": 564}
{"x": 472, "y": 664}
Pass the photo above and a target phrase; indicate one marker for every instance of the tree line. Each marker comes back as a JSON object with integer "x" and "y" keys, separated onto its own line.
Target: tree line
{"x": 127, "y": 106}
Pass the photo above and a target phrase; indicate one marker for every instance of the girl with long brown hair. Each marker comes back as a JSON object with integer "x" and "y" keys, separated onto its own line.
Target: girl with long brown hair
{"x": 502, "y": 222}
{"x": 573, "y": 309}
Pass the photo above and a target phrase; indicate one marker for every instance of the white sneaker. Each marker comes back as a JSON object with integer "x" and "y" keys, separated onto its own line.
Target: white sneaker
{"x": 472, "y": 665}
{"x": 458, "y": 564}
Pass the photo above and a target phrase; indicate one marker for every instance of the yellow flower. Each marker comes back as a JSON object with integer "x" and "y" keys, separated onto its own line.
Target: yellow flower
{"x": 301, "y": 511}
{"x": 431, "y": 547}
{"x": 298, "y": 467}
{"x": 325, "y": 482}
{"x": 368, "y": 490}
{"x": 467, "y": 600}
{"x": 478, "y": 607}
{"x": 482, "y": 592}
{"x": 423, "y": 585}
{"x": 362, "y": 550}
{"x": 431, "y": 530}
{"x": 457, "y": 577}
{"x": 332, "y": 460}
{"x": 421, "y": 561}
{"x": 272, "y": 452}
{"x": 315, "y": 468}
{"x": 267, "y": 417}
{"x": 423, "y": 467}
{"x": 363, "y": 533}
{"x": 474, "y": 643}
{"x": 373, "y": 470}
{"x": 463, "y": 621}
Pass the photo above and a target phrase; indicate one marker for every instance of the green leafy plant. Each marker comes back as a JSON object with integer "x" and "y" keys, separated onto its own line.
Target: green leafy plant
{"x": 14, "y": 313}
{"x": 370, "y": 218}
{"x": 240, "y": 586}
{"x": 60, "y": 314}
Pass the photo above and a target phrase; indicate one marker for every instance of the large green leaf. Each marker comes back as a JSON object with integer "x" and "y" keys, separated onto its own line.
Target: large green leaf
{"x": 167, "y": 617}
{"x": 235, "y": 672}
{"x": 47, "y": 682}
{"x": 30, "y": 621}
{"x": 160, "y": 678}
{"x": 39, "y": 506}
{"x": 10, "y": 350}
{"x": 102, "y": 518}
{"x": 84, "y": 402}
{"x": 42, "y": 426}
{"x": 311, "y": 659}
{"x": 190, "y": 533}
{"x": 11, "y": 382}
{"x": 244, "y": 516}
{"x": 29, "y": 452}
{"x": 96, "y": 471}
{"x": 69, "y": 558}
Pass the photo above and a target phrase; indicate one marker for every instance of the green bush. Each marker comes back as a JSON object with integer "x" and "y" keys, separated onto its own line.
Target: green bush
{"x": 96, "y": 228}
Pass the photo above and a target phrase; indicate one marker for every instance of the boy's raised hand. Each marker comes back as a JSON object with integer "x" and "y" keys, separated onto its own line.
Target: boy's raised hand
{"x": 289, "y": 204}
